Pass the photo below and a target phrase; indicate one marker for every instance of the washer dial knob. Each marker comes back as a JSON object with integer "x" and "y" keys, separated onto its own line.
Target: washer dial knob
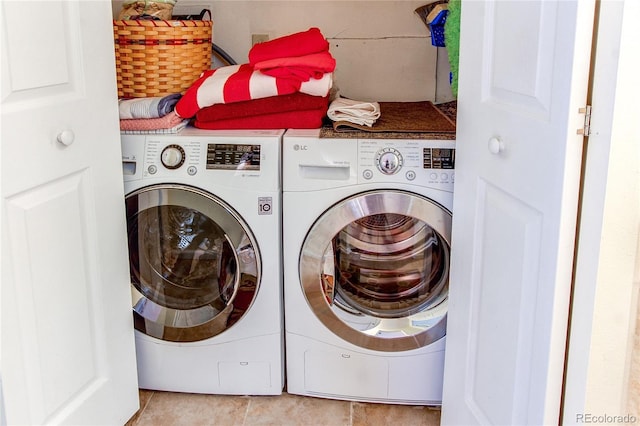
{"x": 389, "y": 161}
{"x": 172, "y": 156}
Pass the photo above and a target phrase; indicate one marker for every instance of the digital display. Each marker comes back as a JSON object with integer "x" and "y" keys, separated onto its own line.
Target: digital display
{"x": 438, "y": 158}
{"x": 233, "y": 157}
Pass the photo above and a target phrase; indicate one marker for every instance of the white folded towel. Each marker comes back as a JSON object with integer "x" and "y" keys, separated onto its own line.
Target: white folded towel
{"x": 357, "y": 112}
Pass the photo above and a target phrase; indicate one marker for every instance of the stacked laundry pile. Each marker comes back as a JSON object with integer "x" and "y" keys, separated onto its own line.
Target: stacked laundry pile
{"x": 286, "y": 84}
{"x": 150, "y": 115}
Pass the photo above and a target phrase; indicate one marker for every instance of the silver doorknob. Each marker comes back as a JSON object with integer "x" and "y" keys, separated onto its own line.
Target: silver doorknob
{"x": 496, "y": 146}
{"x": 66, "y": 137}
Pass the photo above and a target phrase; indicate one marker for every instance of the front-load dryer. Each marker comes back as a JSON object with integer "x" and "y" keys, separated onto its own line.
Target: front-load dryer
{"x": 366, "y": 247}
{"x": 204, "y": 224}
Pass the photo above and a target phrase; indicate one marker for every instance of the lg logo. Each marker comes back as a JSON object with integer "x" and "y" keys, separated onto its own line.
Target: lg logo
{"x": 297, "y": 147}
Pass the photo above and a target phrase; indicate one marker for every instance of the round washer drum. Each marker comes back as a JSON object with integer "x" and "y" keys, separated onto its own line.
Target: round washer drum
{"x": 195, "y": 266}
{"x": 374, "y": 269}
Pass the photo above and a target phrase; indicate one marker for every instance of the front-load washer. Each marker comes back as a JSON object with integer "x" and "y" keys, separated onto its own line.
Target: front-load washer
{"x": 366, "y": 247}
{"x": 204, "y": 225}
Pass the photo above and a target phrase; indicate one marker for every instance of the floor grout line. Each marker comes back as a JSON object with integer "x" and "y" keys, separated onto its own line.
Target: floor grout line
{"x": 351, "y": 413}
{"x": 246, "y": 412}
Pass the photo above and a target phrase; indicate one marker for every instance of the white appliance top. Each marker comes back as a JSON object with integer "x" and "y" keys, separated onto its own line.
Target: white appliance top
{"x": 194, "y": 131}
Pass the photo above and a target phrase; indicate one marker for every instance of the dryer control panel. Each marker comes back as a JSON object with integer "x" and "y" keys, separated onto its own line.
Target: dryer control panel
{"x": 406, "y": 160}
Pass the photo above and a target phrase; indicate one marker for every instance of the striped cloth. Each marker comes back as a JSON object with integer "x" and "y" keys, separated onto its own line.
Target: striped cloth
{"x": 236, "y": 83}
{"x": 170, "y": 123}
{"x": 150, "y": 107}
{"x": 171, "y": 131}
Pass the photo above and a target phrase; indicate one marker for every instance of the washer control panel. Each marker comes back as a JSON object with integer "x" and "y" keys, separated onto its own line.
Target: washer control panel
{"x": 406, "y": 160}
{"x": 168, "y": 156}
{"x": 249, "y": 159}
{"x": 194, "y": 156}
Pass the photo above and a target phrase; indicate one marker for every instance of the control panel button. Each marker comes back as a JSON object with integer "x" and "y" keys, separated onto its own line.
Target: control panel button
{"x": 433, "y": 176}
{"x": 410, "y": 175}
{"x": 172, "y": 156}
{"x": 192, "y": 170}
{"x": 367, "y": 174}
{"x": 152, "y": 169}
{"x": 389, "y": 161}
{"x": 444, "y": 176}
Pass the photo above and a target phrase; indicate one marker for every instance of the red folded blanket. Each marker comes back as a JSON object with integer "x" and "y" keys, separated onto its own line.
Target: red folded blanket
{"x": 306, "y": 119}
{"x": 236, "y": 83}
{"x": 270, "y": 105}
{"x": 301, "y": 68}
{"x": 297, "y": 44}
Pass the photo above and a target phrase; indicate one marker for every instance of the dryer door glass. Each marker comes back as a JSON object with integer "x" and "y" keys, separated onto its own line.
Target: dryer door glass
{"x": 194, "y": 265}
{"x": 380, "y": 262}
{"x": 389, "y": 265}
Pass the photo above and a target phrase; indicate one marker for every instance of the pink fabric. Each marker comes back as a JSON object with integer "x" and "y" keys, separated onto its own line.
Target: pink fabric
{"x": 297, "y": 44}
{"x": 236, "y": 83}
{"x": 305, "y": 119}
{"x": 270, "y": 105}
{"x": 300, "y": 68}
{"x": 168, "y": 121}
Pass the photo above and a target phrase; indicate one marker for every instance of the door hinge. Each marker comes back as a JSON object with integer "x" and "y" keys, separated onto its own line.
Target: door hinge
{"x": 586, "y": 128}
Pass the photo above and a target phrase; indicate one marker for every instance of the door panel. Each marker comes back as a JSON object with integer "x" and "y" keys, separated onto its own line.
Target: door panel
{"x": 47, "y": 291}
{"x": 518, "y": 73}
{"x": 44, "y": 52}
{"x": 68, "y": 353}
{"x": 502, "y": 216}
{"x": 515, "y": 208}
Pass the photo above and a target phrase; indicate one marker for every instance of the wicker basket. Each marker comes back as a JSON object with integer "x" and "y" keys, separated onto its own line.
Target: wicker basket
{"x": 158, "y": 58}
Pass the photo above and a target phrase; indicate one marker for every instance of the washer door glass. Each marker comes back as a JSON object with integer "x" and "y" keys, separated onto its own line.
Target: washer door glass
{"x": 375, "y": 269}
{"x": 194, "y": 264}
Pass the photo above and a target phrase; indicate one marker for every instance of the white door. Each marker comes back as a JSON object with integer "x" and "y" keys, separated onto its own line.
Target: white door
{"x": 524, "y": 69}
{"x": 68, "y": 352}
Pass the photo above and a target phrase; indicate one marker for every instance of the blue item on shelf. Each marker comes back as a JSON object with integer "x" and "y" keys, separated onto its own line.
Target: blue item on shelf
{"x": 437, "y": 29}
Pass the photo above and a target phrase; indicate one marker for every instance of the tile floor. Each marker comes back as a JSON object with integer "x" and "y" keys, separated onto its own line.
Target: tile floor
{"x": 176, "y": 409}
{"x": 173, "y": 409}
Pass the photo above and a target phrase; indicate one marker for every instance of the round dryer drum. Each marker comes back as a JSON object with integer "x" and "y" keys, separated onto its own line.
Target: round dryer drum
{"x": 195, "y": 266}
{"x": 374, "y": 269}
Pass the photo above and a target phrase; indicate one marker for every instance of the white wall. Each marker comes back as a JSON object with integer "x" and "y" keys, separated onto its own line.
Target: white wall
{"x": 382, "y": 48}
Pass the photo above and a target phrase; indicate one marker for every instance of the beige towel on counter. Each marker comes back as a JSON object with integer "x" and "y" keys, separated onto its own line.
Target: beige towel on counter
{"x": 414, "y": 117}
{"x": 357, "y": 112}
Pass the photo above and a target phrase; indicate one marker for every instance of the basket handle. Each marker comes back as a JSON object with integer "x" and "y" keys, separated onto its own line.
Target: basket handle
{"x": 199, "y": 17}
